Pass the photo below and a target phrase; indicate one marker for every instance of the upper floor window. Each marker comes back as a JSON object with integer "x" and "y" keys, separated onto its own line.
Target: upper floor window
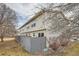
{"x": 33, "y": 25}
{"x": 28, "y": 27}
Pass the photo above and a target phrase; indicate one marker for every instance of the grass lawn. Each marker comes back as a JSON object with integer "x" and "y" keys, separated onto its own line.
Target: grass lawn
{"x": 11, "y": 48}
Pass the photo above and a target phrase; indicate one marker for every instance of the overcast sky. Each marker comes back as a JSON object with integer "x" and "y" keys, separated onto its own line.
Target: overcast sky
{"x": 24, "y": 11}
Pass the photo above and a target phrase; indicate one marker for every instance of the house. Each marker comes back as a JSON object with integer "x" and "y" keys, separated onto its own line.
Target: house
{"x": 36, "y": 27}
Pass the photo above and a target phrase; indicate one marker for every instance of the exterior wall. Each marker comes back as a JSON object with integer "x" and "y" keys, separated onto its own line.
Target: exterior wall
{"x": 32, "y": 44}
{"x": 38, "y": 28}
{"x": 36, "y": 33}
{"x": 41, "y": 23}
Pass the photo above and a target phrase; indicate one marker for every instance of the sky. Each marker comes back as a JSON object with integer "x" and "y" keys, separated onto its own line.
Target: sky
{"x": 23, "y": 11}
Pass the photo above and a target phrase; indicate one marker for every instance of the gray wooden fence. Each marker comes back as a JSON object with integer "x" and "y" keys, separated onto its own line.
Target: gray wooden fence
{"x": 31, "y": 44}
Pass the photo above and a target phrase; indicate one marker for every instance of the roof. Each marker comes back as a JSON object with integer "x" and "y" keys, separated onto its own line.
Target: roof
{"x": 33, "y": 18}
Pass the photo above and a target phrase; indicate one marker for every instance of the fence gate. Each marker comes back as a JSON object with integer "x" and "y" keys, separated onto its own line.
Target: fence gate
{"x": 32, "y": 44}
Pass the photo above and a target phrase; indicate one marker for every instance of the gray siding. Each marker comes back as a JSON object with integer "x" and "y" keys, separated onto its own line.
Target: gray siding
{"x": 32, "y": 44}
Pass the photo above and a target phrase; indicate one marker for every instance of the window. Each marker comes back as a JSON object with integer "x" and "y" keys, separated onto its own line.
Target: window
{"x": 33, "y": 34}
{"x": 28, "y": 27}
{"x": 26, "y": 35}
{"x": 33, "y": 25}
{"x": 40, "y": 34}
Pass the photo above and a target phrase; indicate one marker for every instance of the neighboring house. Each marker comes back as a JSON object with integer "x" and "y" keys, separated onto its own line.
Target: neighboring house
{"x": 36, "y": 27}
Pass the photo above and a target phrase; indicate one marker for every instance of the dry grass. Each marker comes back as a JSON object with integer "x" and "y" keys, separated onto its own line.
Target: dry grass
{"x": 12, "y": 48}
{"x": 72, "y": 50}
{"x": 69, "y": 50}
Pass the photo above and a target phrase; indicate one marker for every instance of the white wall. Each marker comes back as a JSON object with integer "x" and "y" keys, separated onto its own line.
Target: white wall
{"x": 36, "y": 33}
{"x": 39, "y": 25}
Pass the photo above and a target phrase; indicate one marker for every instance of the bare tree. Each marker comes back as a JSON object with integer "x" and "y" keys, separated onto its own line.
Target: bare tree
{"x": 61, "y": 18}
{"x": 7, "y": 21}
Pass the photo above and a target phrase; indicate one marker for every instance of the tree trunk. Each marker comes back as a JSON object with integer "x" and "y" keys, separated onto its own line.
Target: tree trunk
{"x": 2, "y": 39}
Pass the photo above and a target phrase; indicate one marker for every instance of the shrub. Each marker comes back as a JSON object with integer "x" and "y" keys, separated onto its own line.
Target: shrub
{"x": 55, "y": 44}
